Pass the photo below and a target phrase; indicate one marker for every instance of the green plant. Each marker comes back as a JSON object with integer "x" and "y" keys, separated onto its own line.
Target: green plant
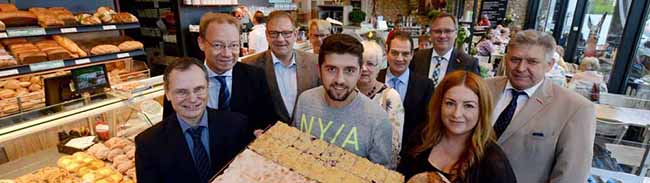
{"x": 357, "y": 16}
{"x": 462, "y": 36}
{"x": 433, "y": 13}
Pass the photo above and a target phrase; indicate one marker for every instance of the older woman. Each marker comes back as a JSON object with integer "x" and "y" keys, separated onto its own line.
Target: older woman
{"x": 457, "y": 144}
{"x": 380, "y": 93}
{"x": 318, "y": 30}
{"x": 584, "y": 81}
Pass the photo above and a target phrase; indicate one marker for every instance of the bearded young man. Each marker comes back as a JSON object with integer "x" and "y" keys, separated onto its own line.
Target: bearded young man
{"x": 336, "y": 113}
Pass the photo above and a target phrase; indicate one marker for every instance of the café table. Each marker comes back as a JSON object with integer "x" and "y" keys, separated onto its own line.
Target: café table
{"x": 630, "y": 116}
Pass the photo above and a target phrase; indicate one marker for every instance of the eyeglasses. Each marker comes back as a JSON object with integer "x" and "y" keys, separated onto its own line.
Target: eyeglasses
{"x": 285, "y": 34}
{"x": 184, "y": 93}
{"x": 443, "y": 31}
{"x": 221, "y": 46}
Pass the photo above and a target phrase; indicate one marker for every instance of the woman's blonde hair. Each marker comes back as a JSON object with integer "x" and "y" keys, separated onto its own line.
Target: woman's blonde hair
{"x": 434, "y": 130}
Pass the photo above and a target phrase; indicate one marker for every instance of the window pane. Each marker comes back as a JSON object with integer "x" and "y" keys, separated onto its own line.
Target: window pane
{"x": 638, "y": 82}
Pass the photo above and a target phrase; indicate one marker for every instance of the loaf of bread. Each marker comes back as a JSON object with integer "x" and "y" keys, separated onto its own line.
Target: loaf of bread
{"x": 12, "y": 84}
{"x": 8, "y": 7}
{"x": 10, "y": 41}
{"x": 124, "y": 17}
{"x": 32, "y": 57}
{"x": 7, "y": 93}
{"x": 104, "y": 49}
{"x": 69, "y": 45}
{"x": 58, "y": 54}
{"x": 130, "y": 45}
{"x": 91, "y": 20}
{"x": 17, "y": 18}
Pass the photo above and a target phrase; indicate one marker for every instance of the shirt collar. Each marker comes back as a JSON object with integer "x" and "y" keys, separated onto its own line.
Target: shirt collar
{"x": 447, "y": 55}
{"x": 258, "y": 26}
{"x": 403, "y": 78}
{"x": 212, "y": 74}
{"x": 530, "y": 91}
{"x": 276, "y": 60}
{"x": 203, "y": 122}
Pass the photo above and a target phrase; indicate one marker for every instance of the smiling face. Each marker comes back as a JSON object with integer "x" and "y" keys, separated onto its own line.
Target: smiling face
{"x": 443, "y": 34}
{"x": 220, "y": 46}
{"x": 526, "y": 65}
{"x": 281, "y": 35}
{"x": 316, "y": 37}
{"x": 340, "y": 73}
{"x": 369, "y": 69}
{"x": 460, "y": 110}
{"x": 399, "y": 56}
{"x": 187, "y": 92}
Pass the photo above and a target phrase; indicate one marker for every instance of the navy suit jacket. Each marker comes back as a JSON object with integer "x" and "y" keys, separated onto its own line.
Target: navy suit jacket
{"x": 162, "y": 153}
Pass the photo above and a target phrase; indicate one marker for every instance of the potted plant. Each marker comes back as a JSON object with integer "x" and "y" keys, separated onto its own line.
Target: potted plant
{"x": 356, "y": 17}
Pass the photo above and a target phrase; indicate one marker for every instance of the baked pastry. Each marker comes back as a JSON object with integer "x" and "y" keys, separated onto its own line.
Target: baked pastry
{"x": 10, "y": 41}
{"x": 69, "y": 45}
{"x": 8, "y": 7}
{"x": 124, "y": 17}
{"x": 104, "y": 49}
{"x": 17, "y": 18}
{"x": 3, "y": 27}
{"x": 130, "y": 45}
{"x": 58, "y": 54}
{"x": 12, "y": 84}
{"x": 91, "y": 20}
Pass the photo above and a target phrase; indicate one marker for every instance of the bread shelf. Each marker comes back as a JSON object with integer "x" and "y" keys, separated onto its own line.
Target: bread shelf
{"x": 57, "y": 64}
{"x": 17, "y": 32}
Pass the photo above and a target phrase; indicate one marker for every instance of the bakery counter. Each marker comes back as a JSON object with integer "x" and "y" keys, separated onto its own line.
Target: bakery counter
{"x": 68, "y": 63}
{"x": 17, "y": 32}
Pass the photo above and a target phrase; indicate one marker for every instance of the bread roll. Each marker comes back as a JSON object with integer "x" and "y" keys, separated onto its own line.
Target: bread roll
{"x": 35, "y": 87}
{"x": 104, "y": 49}
{"x": 8, "y": 7}
{"x": 124, "y": 17}
{"x": 91, "y": 20}
{"x": 35, "y": 80}
{"x": 7, "y": 93}
{"x": 64, "y": 161}
{"x": 130, "y": 45}
{"x": 12, "y": 84}
{"x": 24, "y": 84}
{"x": 10, "y": 108}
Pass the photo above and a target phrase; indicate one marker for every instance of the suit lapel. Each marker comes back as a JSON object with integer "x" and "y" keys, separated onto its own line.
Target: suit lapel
{"x": 237, "y": 86}
{"x": 424, "y": 66}
{"x": 410, "y": 88}
{"x": 180, "y": 149}
{"x": 273, "y": 86}
{"x": 215, "y": 141}
{"x": 531, "y": 109}
{"x": 301, "y": 68}
{"x": 453, "y": 61}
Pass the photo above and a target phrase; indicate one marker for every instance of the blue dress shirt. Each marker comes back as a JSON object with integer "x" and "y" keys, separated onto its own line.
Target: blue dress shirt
{"x": 287, "y": 80}
{"x": 402, "y": 81}
{"x": 205, "y": 133}
{"x": 214, "y": 86}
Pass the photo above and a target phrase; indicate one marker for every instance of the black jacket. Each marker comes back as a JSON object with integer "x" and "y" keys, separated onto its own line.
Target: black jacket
{"x": 458, "y": 61}
{"x": 162, "y": 153}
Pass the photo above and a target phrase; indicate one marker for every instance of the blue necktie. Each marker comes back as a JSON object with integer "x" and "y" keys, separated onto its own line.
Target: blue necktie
{"x": 395, "y": 82}
{"x": 224, "y": 94}
{"x": 201, "y": 160}
{"x": 506, "y": 116}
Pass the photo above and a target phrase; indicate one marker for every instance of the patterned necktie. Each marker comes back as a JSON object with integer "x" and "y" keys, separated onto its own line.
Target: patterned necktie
{"x": 506, "y": 116}
{"x": 224, "y": 94}
{"x": 201, "y": 159}
{"x": 436, "y": 70}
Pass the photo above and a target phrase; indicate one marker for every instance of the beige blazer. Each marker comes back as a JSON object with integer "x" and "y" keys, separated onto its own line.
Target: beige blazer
{"x": 551, "y": 138}
{"x": 306, "y": 71}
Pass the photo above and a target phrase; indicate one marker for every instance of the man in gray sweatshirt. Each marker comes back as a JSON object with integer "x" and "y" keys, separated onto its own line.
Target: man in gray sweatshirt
{"x": 336, "y": 113}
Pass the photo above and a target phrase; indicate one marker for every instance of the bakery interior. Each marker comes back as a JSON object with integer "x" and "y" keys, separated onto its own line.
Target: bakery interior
{"x": 79, "y": 79}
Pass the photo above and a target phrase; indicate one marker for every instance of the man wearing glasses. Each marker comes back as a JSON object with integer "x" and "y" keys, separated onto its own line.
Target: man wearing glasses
{"x": 443, "y": 57}
{"x": 289, "y": 72}
{"x": 196, "y": 142}
{"x": 232, "y": 86}
{"x": 414, "y": 90}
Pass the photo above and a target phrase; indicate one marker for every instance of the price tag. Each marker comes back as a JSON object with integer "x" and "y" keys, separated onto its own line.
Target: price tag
{"x": 109, "y": 27}
{"x": 3, "y": 35}
{"x": 68, "y": 30}
{"x": 122, "y": 55}
{"x": 46, "y": 65}
{"x": 82, "y": 61}
{"x": 8, "y": 72}
{"x": 28, "y": 31}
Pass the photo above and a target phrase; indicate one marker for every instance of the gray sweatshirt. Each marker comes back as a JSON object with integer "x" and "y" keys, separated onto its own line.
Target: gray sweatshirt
{"x": 361, "y": 127}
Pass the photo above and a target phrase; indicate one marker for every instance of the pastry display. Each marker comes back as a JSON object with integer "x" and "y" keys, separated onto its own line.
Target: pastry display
{"x": 48, "y": 174}
{"x": 53, "y": 17}
{"x": 300, "y": 154}
{"x": 104, "y": 49}
{"x": 124, "y": 17}
{"x": 29, "y": 88}
{"x": 130, "y": 45}
{"x": 69, "y": 45}
{"x": 18, "y": 18}
{"x": 117, "y": 151}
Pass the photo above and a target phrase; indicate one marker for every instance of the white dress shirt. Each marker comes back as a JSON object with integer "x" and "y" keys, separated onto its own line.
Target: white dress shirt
{"x": 506, "y": 96}
{"x": 286, "y": 77}
{"x": 214, "y": 86}
{"x": 443, "y": 65}
{"x": 257, "y": 38}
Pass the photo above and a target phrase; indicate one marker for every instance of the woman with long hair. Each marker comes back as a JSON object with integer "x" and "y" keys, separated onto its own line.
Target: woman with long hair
{"x": 457, "y": 144}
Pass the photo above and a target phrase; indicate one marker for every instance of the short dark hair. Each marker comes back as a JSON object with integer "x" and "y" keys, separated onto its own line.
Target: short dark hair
{"x": 222, "y": 18}
{"x": 443, "y": 15}
{"x": 340, "y": 44}
{"x": 401, "y": 35}
{"x": 259, "y": 17}
{"x": 279, "y": 14}
{"x": 182, "y": 64}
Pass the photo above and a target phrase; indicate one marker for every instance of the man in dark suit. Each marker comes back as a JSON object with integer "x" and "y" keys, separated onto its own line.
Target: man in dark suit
{"x": 233, "y": 86}
{"x": 196, "y": 142}
{"x": 415, "y": 90}
{"x": 289, "y": 72}
{"x": 443, "y": 57}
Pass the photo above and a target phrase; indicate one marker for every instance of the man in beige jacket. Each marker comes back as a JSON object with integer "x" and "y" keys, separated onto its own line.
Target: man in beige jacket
{"x": 546, "y": 131}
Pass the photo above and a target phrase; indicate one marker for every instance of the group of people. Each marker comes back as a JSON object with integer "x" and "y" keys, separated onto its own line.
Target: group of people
{"x": 429, "y": 115}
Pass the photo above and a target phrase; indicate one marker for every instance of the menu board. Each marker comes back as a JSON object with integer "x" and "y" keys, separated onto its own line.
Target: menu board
{"x": 495, "y": 11}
